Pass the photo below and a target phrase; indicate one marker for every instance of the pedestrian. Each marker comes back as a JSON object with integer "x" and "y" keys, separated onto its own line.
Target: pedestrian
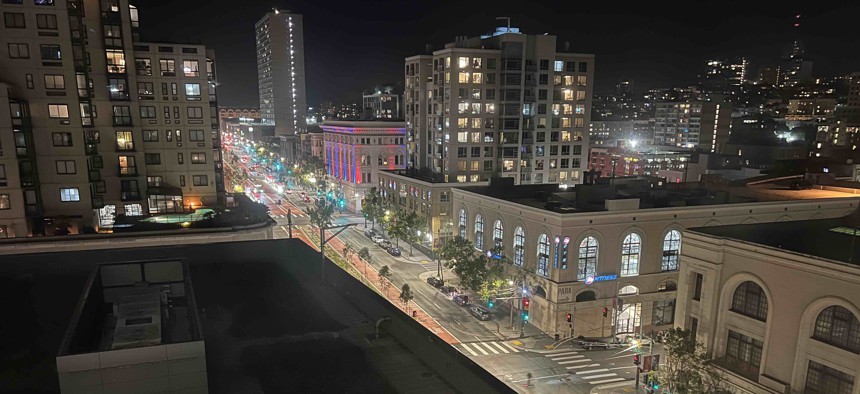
{"x": 529, "y": 379}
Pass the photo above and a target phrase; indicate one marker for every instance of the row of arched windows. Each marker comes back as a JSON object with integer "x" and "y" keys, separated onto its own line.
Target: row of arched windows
{"x": 835, "y": 325}
{"x": 631, "y": 248}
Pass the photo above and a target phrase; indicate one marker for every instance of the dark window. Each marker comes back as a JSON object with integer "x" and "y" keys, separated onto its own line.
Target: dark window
{"x": 121, "y": 115}
{"x": 825, "y": 380}
{"x": 583, "y": 67}
{"x": 152, "y": 158}
{"x": 19, "y": 51}
{"x": 150, "y": 136}
{"x": 839, "y": 327}
{"x": 570, "y": 66}
{"x": 697, "y": 289}
{"x": 50, "y": 52}
{"x": 544, "y": 64}
{"x": 200, "y": 180}
{"x": 14, "y": 20}
{"x": 46, "y": 21}
{"x": 62, "y": 139}
{"x": 147, "y": 112}
{"x": 749, "y": 300}
{"x": 543, "y": 79}
{"x": 743, "y": 354}
{"x": 195, "y": 113}
{"x": 663, "y": 312}
{"x": 144, "y": 66}
{"x": 66, "y": 167}
{"x": 198, "y": 158}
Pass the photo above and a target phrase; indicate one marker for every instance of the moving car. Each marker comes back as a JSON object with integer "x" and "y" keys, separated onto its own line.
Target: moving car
{"x": 394, "y": 251}
{"x": 376, "y": 238}
{"x": 462, "y": 300}
{"x": 480, "y": 312}
{"x": 369, "y": 233}
{"x": 435, "y": 282}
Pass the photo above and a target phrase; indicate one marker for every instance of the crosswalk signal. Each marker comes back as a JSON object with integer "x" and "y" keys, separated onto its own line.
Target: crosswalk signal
{"x": 605, "y": 311}
{"x": 635, "y": 359}
{"x": 569, "y": 318}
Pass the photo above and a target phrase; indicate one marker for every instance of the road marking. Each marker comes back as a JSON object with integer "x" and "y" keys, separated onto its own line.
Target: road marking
{"x": 567, "y": 353}
{"x": 515, "y": 350}
{"x": 537, "y": 378}
{"x": 480, "y": 349}
{"x": 469, "y": 350}
{"x": 567, "y": 357}
{"x": 500, "y": 347}
{"x": 593, "y": 371}
{"x": 632, "y": 366}
{"x": 605, "y": 375}
{"x": 608, "y": 381}
{"x": 572, "y": 361}
{"x": 489, "y": 347}
{"x": 583, "y": 366}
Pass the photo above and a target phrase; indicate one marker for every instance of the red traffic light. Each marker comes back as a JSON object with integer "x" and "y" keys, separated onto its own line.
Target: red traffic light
{"x": 605, "y": 311}
{"x": 569, "y": 317}
{"x": 525, "y": 303}
{"x": 635, "y": 359}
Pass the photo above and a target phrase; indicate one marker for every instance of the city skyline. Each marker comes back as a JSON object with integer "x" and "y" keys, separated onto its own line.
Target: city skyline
{"x": 657, "y": 47}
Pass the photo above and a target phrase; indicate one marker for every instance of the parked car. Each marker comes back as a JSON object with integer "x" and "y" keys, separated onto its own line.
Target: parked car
{"x": 462, "y": 300}
{"x": 601, "y": 343}
{"x": 369, "y": 233}
{"x": 435, "y": 282}
{"x": 480, "y": 312}
{"x": 385, "y": 244}
{"x": 394, "y": 251}
{"x": 376, "y": 238}
{"x": 448, "y": 289}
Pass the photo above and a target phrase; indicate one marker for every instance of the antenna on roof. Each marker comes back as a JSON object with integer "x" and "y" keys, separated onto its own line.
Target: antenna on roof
{"x": 505, "y": 18}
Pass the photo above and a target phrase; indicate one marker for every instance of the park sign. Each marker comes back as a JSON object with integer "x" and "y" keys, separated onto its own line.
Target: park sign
{"x": 600, "y": 278}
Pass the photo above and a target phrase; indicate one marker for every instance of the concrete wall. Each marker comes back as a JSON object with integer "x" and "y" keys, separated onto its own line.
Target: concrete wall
{"x": 173, "y": 368}
{"x": 798, "y": 288}
{"x": 135, "y": 240}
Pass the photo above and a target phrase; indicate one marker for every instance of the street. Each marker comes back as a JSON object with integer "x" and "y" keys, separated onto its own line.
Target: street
{"x": 493, "y": 344}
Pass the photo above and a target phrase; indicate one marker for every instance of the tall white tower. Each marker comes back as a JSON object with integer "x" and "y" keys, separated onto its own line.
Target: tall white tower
{"x": 281, "y": 71}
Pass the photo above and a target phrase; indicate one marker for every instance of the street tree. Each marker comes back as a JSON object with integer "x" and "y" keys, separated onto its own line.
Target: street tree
{"x": 471, "y": 267}
{"x": 347, "y": 250}
{"x": 397, "y": 226}
{"x": 320, "y": 216}
{"x": 364, "y": 254}
{"x": 372, "y": 207}
{"x": 687, "y": 367}
{"x": 406, "y": 296}
{"x": 384, "y": 275}
{"x": 415, "y": 226}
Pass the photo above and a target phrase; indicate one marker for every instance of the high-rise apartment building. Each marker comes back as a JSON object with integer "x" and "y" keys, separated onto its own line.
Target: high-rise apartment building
{"x": 95, "y": 124}
{"x": 691, "y": 124}
{"x": 795, "y": 68}
{"x": 281, "y": 75}
{"x": 724, "y": 76}
{"x": 505, "y": 104}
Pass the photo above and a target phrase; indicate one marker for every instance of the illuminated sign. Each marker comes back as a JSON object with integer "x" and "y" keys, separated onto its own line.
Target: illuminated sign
{"x": 600, "y": 278}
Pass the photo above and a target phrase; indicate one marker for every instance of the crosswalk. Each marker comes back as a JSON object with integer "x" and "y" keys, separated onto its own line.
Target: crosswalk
{"x": 477, "y": 349}
{"x": 583, "y": 367}
{"x": 284, "y": 216}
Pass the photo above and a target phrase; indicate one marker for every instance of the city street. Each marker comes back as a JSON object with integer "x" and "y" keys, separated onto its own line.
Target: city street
{"x": 493, "y": 344}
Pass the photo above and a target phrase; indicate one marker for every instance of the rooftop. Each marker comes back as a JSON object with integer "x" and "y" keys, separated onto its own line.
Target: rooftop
{"x": 824, "y": 238}
{"x": 620, "y": 193}
{"x": 131, "y": 305}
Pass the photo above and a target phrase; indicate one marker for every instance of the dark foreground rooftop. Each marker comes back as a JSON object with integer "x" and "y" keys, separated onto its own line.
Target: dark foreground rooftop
{"x": 270, "y": 324}
{"x": 824, "y": 238}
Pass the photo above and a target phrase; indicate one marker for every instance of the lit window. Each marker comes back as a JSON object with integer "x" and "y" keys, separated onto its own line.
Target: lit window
{"x": 558, "y": 66}
{"x": 191, "y": 68}
{"x": 115, "y": 61}
{"x": 58, "y": 111}
{"x": 543, "y": 255}
{"x": 477, "y": 77}
{"x": 671, "y": 249}
{"x": 463, "y": 77}
{"x": 588, "y": 250}
{"x": 479, "y": 232}
{"x": 70, "y": 194}
{"x": 630, "y": 255}
{"x": 463, "y": 62}
{"x": 192, "y": 91}
{"x": 519, "y": 246}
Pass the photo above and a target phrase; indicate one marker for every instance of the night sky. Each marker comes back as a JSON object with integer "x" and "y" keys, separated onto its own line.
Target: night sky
{"x": 353, "y": 45}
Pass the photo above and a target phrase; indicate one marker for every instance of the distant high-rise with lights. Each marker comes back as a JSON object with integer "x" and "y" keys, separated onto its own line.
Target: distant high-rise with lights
{"x": 281, "y": 75}
{"x": 505, "y": 104}
{"x": 795, "y": 69}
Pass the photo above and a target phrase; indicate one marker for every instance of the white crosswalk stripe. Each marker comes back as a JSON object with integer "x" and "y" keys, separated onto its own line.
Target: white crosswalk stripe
{"x": 607, "y": 381}
{"x": 488, "y": 348}
{"x": 603, "y": 375}
{"x": 583, "y": 366}
{"x": 284, "y": 216}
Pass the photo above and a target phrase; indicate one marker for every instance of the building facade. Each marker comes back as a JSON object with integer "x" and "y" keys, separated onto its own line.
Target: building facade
{"x": 92, "y": 147}
{"x": 382, "y": 105}
{"x": 281, "y": 78}
{"x": 611, "y": 162}
{"x": 777, "y": 313}
{"x": 691, "y": 124}
{"x": 614, "y": 131}
{"x": 505, "y": 104}
{"x": 635, "y": 247}
{"x": 357, "y": 151}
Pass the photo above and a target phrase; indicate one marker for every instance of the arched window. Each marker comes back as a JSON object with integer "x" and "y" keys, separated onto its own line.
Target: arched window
{"x": 498, "y": 237}
{"x": 671, "y": 250}
{"x": 628, "y": 290}
{"x": 839, "y": 327}
{"x": 750, "y": 300}
{"x": 587, "y": 257}
{"x": 519, "y": 246}
{"x": 539, "y": 291}
{"x": 462, "y": 223}
{"x": 630, "y": 255}
{"x": 479, "y": 232}
{"x": 586, "y": 296}
{"x": 543, "y": 255}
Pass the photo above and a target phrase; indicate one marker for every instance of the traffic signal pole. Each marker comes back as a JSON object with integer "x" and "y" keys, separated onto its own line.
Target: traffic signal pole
{"x": 324, "y": 240}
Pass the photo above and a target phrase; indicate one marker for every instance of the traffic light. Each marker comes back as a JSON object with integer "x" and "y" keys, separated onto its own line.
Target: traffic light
{"x": 490, "y": 303}
{"x": 525, "y": 316}
{"x": 569, "y": 318}
{"x": 605, "y": 311}
{"x": 525, "y": 303}
{"x": 635, "y": 359}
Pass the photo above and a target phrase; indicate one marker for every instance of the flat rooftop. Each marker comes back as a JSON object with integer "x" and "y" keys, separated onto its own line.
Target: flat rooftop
{"x": 824, "y": 238}
{"x": 134, "y": 304}
{"x": 651, "y": 192}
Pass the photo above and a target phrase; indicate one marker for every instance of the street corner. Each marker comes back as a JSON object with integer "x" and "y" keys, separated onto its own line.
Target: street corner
{"x": 627, "y": 386}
